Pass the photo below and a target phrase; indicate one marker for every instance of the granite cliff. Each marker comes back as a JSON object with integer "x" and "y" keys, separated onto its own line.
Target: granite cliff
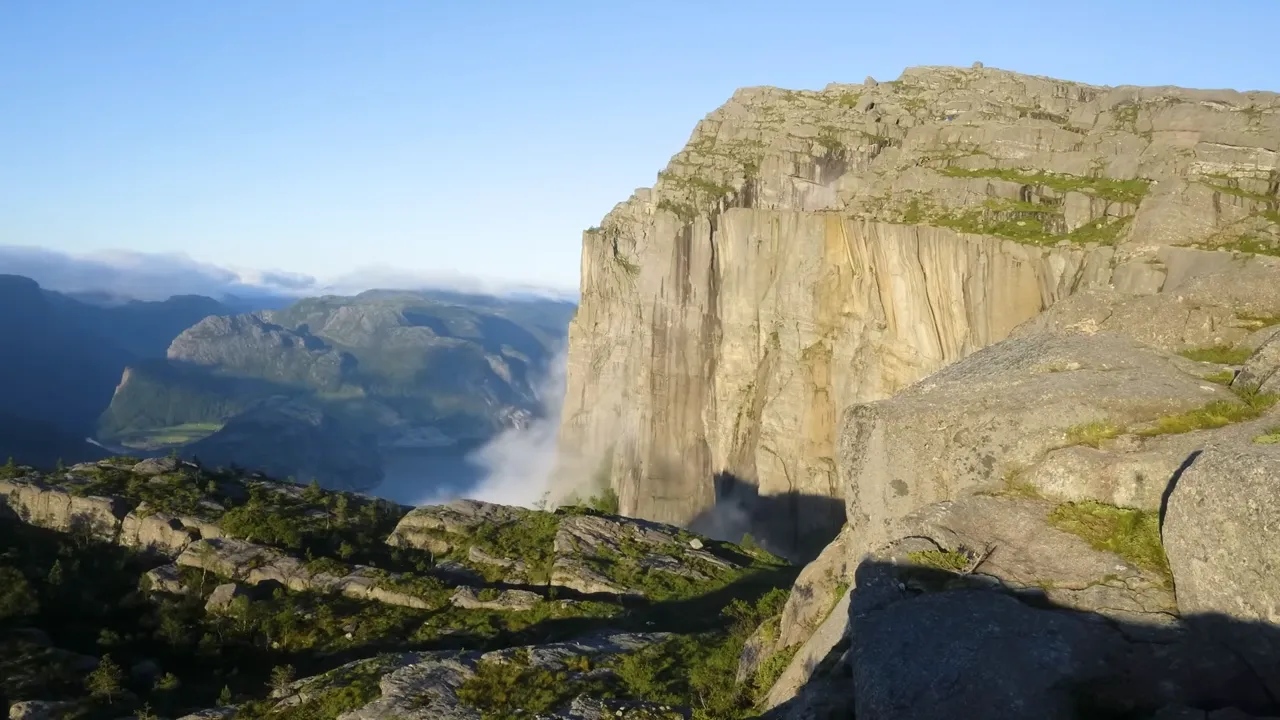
{"x": 811, "y": 251}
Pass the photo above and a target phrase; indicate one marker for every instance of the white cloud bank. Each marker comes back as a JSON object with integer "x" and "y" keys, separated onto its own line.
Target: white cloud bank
{"x": 152, "y": 276}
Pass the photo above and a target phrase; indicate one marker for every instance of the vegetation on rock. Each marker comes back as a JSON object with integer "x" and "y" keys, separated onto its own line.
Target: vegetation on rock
{"x": 1132, "y": 534}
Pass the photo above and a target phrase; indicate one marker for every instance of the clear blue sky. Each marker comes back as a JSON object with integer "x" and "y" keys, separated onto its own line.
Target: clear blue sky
{"x": 321, "y": 136}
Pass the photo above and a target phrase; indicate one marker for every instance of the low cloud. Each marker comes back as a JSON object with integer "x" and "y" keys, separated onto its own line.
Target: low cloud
{"x": 156, "y": 276}
{"x": 519, "y": 462}
{"x": 142, "y": 276}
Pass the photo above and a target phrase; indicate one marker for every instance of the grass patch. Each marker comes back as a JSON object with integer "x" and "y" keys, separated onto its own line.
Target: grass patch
{"x": 1221, "y": 378}
{"x": 1252, "y": 245}
{"x": 1126, "y": 191}
{"x": 1093, "y": 434}
{"x": 1219, "y": 354}
{"x": 1270, "y": 437}
{"x": 1257, "y": 322}
{"x": 1132, "y": 534}
{"x": 950, "y": 560}
{"x": 1219, "y": 413}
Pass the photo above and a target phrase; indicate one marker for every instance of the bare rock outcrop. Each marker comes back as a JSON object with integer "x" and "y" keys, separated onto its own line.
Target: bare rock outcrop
{"x": 999, "y": 409}
{"x": 56, "y": 509}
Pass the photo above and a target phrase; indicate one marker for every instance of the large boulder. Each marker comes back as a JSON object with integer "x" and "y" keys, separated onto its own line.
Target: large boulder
{"x": 1261, "y": 372}
{"x": 997, "y": 410}
{"x": 1222, "y": 534}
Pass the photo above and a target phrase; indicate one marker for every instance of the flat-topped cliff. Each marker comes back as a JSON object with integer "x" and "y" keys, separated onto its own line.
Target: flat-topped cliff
{"x": 808, "y": 251}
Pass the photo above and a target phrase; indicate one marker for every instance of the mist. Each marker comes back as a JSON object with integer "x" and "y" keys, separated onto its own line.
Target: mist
{"x": 516, "y": 466}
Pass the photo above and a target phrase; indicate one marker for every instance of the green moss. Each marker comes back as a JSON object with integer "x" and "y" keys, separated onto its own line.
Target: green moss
{"x": 950, "y": 560}
{"x": 1216, "y": 414}
{"x": 1132, "y": 534}
{"x": 1093, "y": 434}
{"x": 1219, "y": 354}
{"x": 1127, "y": 191}
{"x": 1270, "y": 437}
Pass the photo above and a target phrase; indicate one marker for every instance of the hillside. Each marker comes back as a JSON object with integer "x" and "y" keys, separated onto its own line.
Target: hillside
{"x": 411, "y": 369}
{"x": 159, "y": 587}
{"x": 69, "y": 358}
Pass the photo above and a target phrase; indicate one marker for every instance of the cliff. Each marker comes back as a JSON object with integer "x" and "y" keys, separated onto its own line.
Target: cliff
{"x": 808, "y": 251}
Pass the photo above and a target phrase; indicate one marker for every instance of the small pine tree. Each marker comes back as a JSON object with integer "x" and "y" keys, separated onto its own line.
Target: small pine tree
{"x": 59, "y": 467}
{"x": 224, "y": 697}
{"x": 104, "y": 681}
{"x": 282, "y": 677}
{"x": 56, "y": 574}
{"x": 10, "y": 468}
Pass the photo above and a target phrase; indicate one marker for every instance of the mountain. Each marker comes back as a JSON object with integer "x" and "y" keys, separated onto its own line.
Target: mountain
{"x": 66, "y": 357}
{"x": 809, "y": 251}
{"x": 998, "y": 355}
{"x": 412, "y": 369}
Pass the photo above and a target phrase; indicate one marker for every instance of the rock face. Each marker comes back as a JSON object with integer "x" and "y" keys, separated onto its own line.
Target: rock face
{"x": 809, "y": 251}
{"x": 1001, "y": 408}
{"x": 1262, "y": 371}
{"x": 57, "y": 509}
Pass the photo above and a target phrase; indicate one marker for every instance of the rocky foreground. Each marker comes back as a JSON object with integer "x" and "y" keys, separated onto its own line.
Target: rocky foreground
{"x": 159, "y": 587}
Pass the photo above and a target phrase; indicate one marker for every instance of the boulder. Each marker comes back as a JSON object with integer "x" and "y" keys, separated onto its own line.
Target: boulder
{"x": 167, "y": 579}
{"x": 162, "y": 533}
{"x": 1261, "y": 371}
{"x": 440, "y": 527}
{"x": 588, "y": 546}
{"x": 43, "y": 710}
{"x": 157, "y": 466}
{"x": 222, "y": 597}
{"x": 999, "y": 409}
{"x": 1010, "y": 542}
{"x": 1221, "y": 533}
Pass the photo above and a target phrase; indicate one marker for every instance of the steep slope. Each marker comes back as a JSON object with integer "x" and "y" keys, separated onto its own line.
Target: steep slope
{"x": 807, "y": 251}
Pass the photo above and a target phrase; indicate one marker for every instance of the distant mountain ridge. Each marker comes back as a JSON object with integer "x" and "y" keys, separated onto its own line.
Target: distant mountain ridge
{"x": 65, "y": 357}
{"x": 408, "y": 368}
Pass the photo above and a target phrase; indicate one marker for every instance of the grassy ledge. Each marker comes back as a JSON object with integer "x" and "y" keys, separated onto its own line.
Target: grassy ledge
{"x": 1132, "y": 534}
{"x": 1270, "y": 437}
{"x": 1218, "y": 354}
{"x": 950, "y": 560}
{"x": 1125, "y": 191}
{"x": 1219, "y": 413}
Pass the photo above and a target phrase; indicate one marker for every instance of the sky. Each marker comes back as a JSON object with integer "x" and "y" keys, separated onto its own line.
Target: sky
{"x": 399, "y": 139}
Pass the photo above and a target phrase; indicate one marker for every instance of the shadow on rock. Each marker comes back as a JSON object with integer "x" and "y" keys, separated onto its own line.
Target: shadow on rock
{"x": 924, "y": 643}
{"x": 792, "y": 525}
